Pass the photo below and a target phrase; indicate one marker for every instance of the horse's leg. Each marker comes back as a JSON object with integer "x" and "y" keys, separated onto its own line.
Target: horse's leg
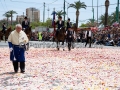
{"x": 69, "y": 46}
{"x": 57, "y": 45}
{"x": 5, "y": 38}
{"x": 63, "y": 45}
{"x": 72, "y": 43}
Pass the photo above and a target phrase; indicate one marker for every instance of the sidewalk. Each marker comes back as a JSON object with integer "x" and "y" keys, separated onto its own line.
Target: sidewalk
{"x": 36, "y": 44}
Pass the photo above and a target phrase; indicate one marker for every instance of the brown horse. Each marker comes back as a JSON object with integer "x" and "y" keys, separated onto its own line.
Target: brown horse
{"x": 4, "y": 36}
{"x": 60, "y": 37}
{"x": 28, "y": 32}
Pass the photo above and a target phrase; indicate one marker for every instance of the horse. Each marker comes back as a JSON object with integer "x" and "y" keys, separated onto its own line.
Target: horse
{"x": 28, "y": 32}
{"x": 4, "y": 36}
{"x": 60, "y": 37}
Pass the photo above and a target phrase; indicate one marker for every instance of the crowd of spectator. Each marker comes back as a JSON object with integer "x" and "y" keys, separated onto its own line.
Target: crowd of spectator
{"x": 46, "y": 36}
{"x": 108, "y": 37}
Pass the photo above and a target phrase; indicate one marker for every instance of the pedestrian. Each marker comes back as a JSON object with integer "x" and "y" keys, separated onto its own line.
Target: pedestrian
{"x": 70, "y": 37}
{"x": 88, "y": 37}
{"x": 69, "y": 25}
{"x": 40, "y": 36}
{"x": 17, "y": 41}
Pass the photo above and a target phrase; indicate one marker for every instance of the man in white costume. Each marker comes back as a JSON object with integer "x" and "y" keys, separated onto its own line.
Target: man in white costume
{"x": 17, "y": 41}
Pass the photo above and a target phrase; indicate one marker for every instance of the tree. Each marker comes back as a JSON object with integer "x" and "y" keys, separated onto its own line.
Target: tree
{"x": 59, "y": 13}
{"x": 83, "y": 25}
{"x": 90, "y": 23}
{"x": 11, "y": 12}
{"x": 49, "y": 22}
{"x": 110, "y": 19}
{"x": 77, "y": 5}
{"x": 7, "y": 15}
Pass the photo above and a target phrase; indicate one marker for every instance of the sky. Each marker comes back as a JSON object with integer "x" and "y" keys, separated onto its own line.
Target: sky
{"x": 20, "y": 6}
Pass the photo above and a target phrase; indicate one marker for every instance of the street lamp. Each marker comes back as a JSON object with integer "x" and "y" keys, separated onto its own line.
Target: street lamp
{"x": 106, "y": 11}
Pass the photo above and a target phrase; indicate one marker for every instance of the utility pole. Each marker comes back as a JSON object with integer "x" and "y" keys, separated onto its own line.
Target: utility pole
{"x": 23, "y": 14}
{"x": 44, "y": 12}
{"x": 67, "y": 10}
{"x": 11, "y": 16}
{"x": 93, "y": 12}
{"x": 48, "y": 11}
{"x": 32, "y": 15}
{"x": 118, "y": 10}
{"x": 97, "y": 13}
{"x": 64, "y": 12}
{"x": 117, "y": 14}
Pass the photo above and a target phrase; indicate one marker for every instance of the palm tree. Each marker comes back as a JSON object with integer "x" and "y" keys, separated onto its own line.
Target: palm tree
{"x": 77, "y": 5}
{"x": 59, "y": 13}
{"x": 90, "y": 22}
{"x": 7, "y": 15}
{"x": 110, "y": 19}
{"x": 11, "y": 12}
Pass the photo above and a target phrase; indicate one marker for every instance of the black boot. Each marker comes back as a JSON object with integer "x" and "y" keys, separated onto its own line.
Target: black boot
{"x": 22, "y": 67}
{"x": 15, "y": 65}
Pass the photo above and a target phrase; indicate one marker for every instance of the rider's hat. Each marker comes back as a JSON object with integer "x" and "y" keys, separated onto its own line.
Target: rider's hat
{"x": 25, "y": 18}
{"x": 60, "y": 17}
{"x": 68, "y": 18}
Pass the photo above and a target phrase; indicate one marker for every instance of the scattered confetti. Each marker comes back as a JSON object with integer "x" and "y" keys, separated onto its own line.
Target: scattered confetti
{"x": 49, "y": 69}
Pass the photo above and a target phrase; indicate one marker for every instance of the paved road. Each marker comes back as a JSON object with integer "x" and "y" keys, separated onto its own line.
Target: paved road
{"x": 44, "y": 44}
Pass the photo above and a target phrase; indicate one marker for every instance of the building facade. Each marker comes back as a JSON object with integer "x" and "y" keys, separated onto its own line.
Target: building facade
{"x": 19, "y": 19}
{"x": 33, "y": 14}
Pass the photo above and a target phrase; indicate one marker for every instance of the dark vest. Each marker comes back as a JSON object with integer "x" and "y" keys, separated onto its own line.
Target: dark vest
{"x": 3, "y": 27}
{"x": 25, "y": 25}
{"x": 60, "y": 25}
{"x": 87, "y": 33}
{"x": 68, "y": 25}
{"x": 70, "y": 33}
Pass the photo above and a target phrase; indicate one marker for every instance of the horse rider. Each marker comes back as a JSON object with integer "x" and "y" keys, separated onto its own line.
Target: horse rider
{"x": 68, "y": 24}
{"x": 3, "y": 28}
{"x": 25, "y": 23}
{"x": 60, "y": 24}
{"x": 70, "y": 35}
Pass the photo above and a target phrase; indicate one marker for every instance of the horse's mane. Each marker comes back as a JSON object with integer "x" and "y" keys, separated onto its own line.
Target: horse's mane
{"x": 28, "y": 30}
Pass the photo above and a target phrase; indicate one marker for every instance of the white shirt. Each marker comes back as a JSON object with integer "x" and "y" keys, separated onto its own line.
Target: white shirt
{"x": 89, "y": 35}
{"x": 60, "y": 22}
{"x": 26, "y": 22}
{"x": 17, "y": 38}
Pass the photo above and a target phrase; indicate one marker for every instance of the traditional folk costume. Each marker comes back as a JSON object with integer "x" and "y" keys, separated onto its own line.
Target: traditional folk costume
{"x": 70, "y": 38}
{"x": 25, "y": 23}
{"x": 88, "y": 36}
{"x": 18, "y": 44}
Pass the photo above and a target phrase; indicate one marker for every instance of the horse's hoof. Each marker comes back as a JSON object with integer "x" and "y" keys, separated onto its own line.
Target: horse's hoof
{"x": 58, "y": 49}
{"x": 69, "y": 48}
